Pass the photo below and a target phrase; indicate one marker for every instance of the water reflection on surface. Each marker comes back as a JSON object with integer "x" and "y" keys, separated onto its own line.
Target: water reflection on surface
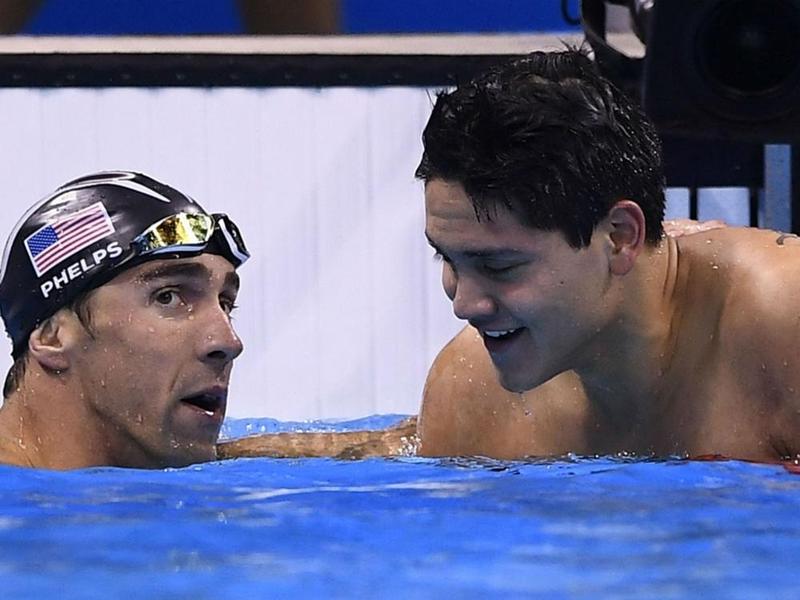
{"x": 576, "y": 527}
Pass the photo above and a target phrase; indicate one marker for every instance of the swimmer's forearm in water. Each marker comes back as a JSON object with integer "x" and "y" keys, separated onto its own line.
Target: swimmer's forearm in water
{"x": 398, "y": 440}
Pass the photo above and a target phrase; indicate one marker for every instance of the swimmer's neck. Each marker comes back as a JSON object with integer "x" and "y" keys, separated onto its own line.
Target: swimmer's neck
{"x": 20, "y": 432}
{"x": 46, "y": 424}
{"x": 630, "y": 369}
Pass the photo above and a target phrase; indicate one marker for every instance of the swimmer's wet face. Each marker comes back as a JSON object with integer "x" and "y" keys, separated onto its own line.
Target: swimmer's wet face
{"x": 536, "y": 300}
{"x": 116, "y": 292}
{"x": 154, "y": 363}
{"x": 523, "y": 167}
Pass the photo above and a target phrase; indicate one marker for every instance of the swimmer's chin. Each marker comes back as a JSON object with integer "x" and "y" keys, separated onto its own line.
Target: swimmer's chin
{"x": 514, "y": 384}
{"x": 520, "y": 381}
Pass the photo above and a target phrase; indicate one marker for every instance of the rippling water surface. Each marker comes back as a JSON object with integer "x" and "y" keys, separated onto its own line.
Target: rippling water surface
{"x": 409, "y": 527}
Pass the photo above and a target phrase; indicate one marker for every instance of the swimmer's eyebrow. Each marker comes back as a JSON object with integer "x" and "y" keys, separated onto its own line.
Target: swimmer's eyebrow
{"x": 484, "y": 253}
{"x": 191, "y": 270}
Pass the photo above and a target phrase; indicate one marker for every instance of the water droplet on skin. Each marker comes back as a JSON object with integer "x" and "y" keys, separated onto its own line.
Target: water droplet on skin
{"x": 151, "y": 329}
{"x": 139, "y": 418}
{"x": 527, "y": 412}
{"x": 191, "y": 317}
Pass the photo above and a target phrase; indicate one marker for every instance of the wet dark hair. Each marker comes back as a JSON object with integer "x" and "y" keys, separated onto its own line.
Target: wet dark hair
{"x": 549, "y": 138}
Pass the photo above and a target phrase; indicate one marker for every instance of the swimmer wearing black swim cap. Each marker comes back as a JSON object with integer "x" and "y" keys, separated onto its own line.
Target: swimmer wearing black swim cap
{"x": 116, "y": 292}
{"x": 89, "y": 229}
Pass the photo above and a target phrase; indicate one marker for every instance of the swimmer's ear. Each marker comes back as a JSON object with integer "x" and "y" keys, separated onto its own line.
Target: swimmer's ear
{"x": 626, "y": 232}
{"x": 48, "y": 344}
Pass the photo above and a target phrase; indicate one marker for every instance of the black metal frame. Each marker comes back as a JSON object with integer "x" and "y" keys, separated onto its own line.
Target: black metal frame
{"x": 240, "y": 70}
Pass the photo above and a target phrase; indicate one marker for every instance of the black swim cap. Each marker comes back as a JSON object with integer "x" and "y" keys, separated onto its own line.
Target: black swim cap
{"x": 89, "y": 230}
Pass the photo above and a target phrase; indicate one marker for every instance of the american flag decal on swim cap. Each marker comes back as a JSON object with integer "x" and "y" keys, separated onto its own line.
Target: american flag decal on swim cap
{"x": 57, "y": 241}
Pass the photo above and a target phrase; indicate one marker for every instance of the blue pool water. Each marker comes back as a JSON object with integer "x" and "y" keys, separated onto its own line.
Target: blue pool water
{"x": 402, "y": 528}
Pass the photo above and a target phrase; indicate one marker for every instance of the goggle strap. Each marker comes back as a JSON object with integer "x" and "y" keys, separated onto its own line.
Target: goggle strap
{"x": 175, "y": 248}
{"x": 233, "y": 246}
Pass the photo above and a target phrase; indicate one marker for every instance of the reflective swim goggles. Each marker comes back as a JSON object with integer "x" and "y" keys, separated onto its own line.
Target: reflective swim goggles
{"x": 192, "y": 232}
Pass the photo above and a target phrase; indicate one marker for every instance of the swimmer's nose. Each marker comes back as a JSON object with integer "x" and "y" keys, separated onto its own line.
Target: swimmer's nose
{"x": 220, "y": 343}
{"x": 470, "y": 300}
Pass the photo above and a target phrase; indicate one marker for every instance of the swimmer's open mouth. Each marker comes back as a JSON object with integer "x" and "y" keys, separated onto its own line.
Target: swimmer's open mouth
{"x": 210, "y": 403}
{"x": 496, "y": 339}
{"x": 501, "y": 334}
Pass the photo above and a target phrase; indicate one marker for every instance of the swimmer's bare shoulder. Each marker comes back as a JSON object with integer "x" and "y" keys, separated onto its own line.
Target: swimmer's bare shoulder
{"x": 760, "y": 325}
{"x": 774, "y": 328}
{"x": 761, "y": 273}
{"x": 757, "y": 270}
{"x": 466, "y": 412}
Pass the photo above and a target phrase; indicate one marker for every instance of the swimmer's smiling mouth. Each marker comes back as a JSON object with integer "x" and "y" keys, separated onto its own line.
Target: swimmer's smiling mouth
{"x": 500, "y": 333}
{"x": 496, "y": 340}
